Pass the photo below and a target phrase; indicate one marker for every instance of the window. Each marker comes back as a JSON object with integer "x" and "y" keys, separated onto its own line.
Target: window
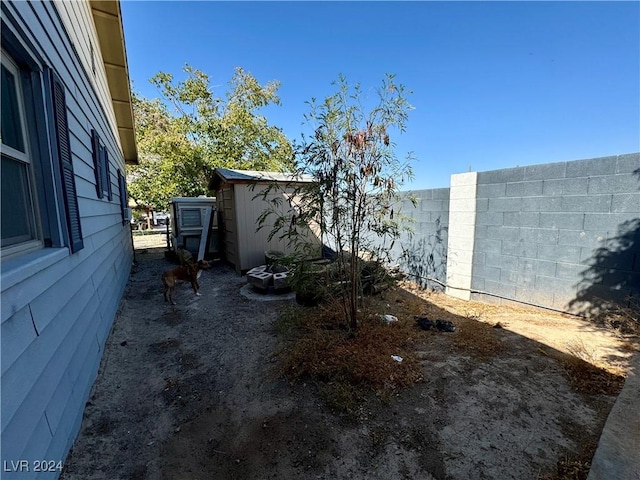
{"x": 191, "y": 217}
{"x": 19, "y": 212}
{"x": 38, "y": 184}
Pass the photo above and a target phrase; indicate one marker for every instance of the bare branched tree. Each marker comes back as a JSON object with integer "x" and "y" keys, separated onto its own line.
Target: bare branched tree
{"x": 355, "y": 199}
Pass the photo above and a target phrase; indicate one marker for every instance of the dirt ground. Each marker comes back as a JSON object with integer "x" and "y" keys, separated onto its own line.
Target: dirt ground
{"x": 192, "y": 391}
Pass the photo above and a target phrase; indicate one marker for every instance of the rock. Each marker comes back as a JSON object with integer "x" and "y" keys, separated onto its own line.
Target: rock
{"x": 389, "y": 318}
{"x": 424, "y": 323}
{"x": 441, "y": 325}
{"x": 445, "y": 326}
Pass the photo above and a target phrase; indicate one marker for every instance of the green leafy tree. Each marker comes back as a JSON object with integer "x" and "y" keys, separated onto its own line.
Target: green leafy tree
{"x": 180, "y": 147}
{"x": 355, "y": 198}
{"x": 165, "y": 153}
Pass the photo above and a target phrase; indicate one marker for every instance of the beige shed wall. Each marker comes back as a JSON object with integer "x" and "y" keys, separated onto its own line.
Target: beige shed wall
{"x": 251, "y": 243}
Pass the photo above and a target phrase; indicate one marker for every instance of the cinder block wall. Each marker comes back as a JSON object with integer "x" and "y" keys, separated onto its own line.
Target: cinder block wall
{"x": 559, "y": 234}
{"x": 424, "y": 253}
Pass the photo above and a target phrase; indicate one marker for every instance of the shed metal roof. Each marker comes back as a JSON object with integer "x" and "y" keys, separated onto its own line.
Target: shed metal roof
{"x": 252, "y": 176}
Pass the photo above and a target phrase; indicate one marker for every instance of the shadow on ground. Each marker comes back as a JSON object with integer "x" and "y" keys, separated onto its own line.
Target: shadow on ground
{"x": 193, "y": 391}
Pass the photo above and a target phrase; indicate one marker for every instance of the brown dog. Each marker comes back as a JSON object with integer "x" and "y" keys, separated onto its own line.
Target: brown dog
{"x": 189, "y": 273}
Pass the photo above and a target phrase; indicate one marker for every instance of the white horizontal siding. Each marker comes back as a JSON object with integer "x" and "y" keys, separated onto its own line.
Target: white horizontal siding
{"x": 37, "y": 442}
{"x": 57, "y": 402}
{"x": 87, "y": 354}
{"x": 107, "y": 269}
{"x": 86, "y": 191}
{"x": 74, "y": 406}
{"x": 49, "y": 306}
{"x": 43, "y": 17}
{"x": 97, "y": 223}
{"x": 67, "y": 412}
{"x": 78, "y": 21}
{"x": 85, "y": 111}
{"x": 21, "y": 294}
{"x": 17, "y": 335}
{"x": 111, "y": 234}
{"x": 31, "y": 380}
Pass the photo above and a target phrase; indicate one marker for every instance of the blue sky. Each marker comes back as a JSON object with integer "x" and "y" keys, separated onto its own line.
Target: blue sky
{"x": 495, "y": 84}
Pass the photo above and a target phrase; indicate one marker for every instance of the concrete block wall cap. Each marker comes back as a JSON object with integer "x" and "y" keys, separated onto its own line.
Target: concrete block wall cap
{"x": 467, "y": 178}
{"x": 260, "y": 281}
{"x": 280, "y": 282}
{"x": 263, "y": 276}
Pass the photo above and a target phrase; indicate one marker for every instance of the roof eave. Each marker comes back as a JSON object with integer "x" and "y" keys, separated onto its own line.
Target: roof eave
{"x": 108, "y": 21}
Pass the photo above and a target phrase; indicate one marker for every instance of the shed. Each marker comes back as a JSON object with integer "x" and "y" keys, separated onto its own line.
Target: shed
{"x": 240, "y": 205}
{"x": 191, "y": 217}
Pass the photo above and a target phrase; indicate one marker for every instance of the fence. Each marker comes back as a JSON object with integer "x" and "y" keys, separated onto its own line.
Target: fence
{"x": 561, "y": 235}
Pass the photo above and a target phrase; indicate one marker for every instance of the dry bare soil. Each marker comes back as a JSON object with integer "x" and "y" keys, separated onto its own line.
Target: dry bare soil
{"x": 194, "y": 391}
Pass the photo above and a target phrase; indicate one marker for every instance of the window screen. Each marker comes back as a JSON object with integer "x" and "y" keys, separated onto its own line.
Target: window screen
{"x": 191, "y": 217}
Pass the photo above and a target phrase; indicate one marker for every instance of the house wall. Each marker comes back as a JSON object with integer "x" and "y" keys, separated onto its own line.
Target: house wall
{"x": 561, "y": 235}
{"x": 57, "y": 308}
{"x": 79, "y": 26}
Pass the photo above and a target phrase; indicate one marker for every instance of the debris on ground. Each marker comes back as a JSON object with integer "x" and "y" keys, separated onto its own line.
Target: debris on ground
{"x": 389, "y": 318}
{"x": 442, "y": 325}
{"x": 480, "y": 403}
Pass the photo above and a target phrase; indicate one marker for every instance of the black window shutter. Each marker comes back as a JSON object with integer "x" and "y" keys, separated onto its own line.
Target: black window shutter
{"x": 95, "y": 146}
{"x": 66, "y": 165}
{"x": 108, "y": 170}
{"x": 122, "y": 187}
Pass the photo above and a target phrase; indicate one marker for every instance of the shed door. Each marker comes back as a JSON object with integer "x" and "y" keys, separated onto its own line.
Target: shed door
{"x": 229, "y": 227}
